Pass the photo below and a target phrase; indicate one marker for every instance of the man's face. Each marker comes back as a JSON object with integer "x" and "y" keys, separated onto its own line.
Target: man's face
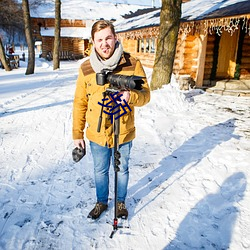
{"x": 104, "y": 42}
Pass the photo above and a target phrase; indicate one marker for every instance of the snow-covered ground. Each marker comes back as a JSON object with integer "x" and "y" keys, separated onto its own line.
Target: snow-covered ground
{"x": 189, "y": 170}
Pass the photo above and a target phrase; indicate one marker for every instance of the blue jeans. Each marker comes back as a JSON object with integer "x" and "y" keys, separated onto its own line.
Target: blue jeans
{"x": 102, "y": 157}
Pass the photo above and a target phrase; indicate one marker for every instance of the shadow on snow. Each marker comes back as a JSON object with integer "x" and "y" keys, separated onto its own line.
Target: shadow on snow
{"x": 189, "y": 155}
{"x": 210, "y": 223}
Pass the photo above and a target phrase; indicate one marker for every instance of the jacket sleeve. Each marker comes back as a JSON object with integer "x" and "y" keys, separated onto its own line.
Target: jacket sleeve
{"x": 141, "y": 97}
{"x": 80, "y": 105}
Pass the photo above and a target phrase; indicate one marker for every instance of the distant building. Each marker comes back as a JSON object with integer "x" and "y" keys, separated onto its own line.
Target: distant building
{"x": 75, "y": 36}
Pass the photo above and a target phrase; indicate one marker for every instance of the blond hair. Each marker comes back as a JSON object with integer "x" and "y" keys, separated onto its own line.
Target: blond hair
{"x": 100, "y": 25}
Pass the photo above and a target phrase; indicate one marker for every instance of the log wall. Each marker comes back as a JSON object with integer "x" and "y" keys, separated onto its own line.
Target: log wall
{"x": 186, "y": 56}
{"x": 131, "y": 46}
{"x": 209, "y": 57}
{"x": 245, "y": 60}
{"x": 50, "y": 22}
{"x": 74, "y": 45}
{"x": 178, "y": 61}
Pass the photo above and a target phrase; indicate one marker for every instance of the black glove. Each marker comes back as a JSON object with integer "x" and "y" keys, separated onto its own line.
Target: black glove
{"x": 78, "y": 153}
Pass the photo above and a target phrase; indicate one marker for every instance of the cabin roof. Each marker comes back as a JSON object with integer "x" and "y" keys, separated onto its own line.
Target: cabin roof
{"x": 193, "y": 10}
{"x": 140, "y": 21}
{"x": 208, "y": 9}
{"x": 84, "y": 10}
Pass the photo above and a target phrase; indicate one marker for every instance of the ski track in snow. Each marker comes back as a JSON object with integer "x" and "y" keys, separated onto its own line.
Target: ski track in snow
{"x": 45, "y": 197}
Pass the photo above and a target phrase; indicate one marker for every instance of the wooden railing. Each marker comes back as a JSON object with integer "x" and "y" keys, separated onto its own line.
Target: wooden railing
{"x": 64, "y": 55}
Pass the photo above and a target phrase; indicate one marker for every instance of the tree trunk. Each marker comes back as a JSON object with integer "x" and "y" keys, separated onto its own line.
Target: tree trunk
{"x": 168, "y": 34}
{"x": 56, "y": 59}
{"x": 28, "y": 33}
{"x": 3, "y": 57}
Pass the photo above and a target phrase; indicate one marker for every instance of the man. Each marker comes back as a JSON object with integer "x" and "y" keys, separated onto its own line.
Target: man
{"x": 107, "y": 54}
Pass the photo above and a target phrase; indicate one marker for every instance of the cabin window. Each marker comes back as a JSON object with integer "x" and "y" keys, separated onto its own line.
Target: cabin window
{"x": 140, "y": 45}
{"x": 146, "y": 45}
{"x": 152, "y": 45}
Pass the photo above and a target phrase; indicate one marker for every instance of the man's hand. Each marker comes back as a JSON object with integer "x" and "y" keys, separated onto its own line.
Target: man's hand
{"x": 79, "y": 143}
{"x": 79, "y": 151}
{"x": 124, "y": 96}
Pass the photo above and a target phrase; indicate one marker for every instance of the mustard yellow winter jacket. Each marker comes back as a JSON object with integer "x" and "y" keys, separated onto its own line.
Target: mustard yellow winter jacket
{"x": 89, "y": 95}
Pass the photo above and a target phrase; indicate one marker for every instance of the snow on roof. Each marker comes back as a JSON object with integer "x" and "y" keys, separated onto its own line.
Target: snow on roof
{"x": 85, "y": 10}
{"x": 198, "y": 9}
{"x": 145, "y": 20}
{"x": 192, "y": 10}
{"x": 79, "y": 32}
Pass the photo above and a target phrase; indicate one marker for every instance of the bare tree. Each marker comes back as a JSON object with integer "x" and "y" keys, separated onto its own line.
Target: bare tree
{"x": 56, "y": 59}
{"x": 168, "y": 34}
{"x": 3, "y": 57}
{"x": 11, "y": 17}
{"x": 28, "y": 33}
{"x": 11, "y": 24}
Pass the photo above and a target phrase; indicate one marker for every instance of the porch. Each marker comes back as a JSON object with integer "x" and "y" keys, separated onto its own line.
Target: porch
{"x": 231, "y": 87}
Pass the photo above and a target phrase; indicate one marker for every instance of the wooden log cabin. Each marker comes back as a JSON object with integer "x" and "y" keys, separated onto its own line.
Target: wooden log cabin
{"x": 211, "y": 45}
{"x": 74, "y": 37}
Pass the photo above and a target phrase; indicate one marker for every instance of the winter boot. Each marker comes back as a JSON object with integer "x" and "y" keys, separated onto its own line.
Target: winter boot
{"x": 97, "y": 210}
{"x": 122, "y": 211}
